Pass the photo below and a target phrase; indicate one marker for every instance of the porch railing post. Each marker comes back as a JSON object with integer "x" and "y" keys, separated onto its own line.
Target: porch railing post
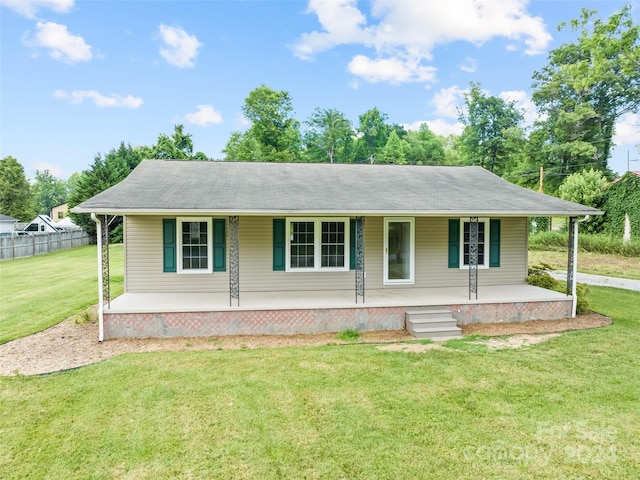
{"x": 360, "y": 280}
{"x": 106, "y": 280}
{"x": 473, "y": 257}
{"x": 234, "y": 260}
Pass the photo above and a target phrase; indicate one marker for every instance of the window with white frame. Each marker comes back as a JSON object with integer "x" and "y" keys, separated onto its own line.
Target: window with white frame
{"x": 483, "y": 236}
{"x": 194, "y": 245}
{"x": 318, "y": 244}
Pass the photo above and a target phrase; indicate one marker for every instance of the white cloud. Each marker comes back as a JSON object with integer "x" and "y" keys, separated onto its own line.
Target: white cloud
{"x": 444, "y": 128}
{"x": 29, "y": 8}
{"x": 523, "y": 103}
{"x": 62, "y": 45}
{"x": 628, "y": 129}
{"x": 438, "y": 126}
{"x": 391, "y": 70}
{"x": 101, "y": 101}
{"x": 407, "y": 32}
{"x": 447, "y": 100}
{"x": 180, "y": 49}
{"x": 342, "y": 23}
{"x": 469, "y": 65}
{"x": 55, "y": 170}
{"x": 204, "y": 116}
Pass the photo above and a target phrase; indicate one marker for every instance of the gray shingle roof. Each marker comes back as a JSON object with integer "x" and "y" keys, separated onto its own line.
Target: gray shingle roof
{"x": 172, "y": 186}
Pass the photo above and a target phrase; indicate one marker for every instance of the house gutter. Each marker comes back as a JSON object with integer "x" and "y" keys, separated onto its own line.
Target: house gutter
{"x": 100, "y": 278}
{"x": 574, "y": 287}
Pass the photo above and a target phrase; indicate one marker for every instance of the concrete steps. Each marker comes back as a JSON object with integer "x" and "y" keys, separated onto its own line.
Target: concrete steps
{"x": 435, "y": 323}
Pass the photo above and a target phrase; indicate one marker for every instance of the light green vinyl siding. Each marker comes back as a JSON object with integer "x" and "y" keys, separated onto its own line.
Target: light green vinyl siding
{"x": 144, "y": 260}
{"x": 144, "y": 263}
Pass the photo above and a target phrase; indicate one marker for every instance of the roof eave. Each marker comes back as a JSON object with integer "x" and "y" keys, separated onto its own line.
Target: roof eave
{"x": 432, "y": 213}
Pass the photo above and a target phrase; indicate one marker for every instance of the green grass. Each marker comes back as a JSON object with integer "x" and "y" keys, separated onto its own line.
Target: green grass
{"x": 40, "y": 291}
{"x": 349, "y": 335}
{"x": 600, "y": 243}
{"x": 565, "y": 408}
{"x": 594, "y": 263}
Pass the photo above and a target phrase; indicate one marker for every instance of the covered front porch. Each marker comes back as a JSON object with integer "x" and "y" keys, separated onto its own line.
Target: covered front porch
{"x": 204, "y": 314}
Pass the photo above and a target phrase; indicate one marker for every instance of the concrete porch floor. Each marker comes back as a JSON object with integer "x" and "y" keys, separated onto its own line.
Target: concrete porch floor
{"x": 392, "y": 297}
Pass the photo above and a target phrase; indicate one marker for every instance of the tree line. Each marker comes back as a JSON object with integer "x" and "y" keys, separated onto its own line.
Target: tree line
{"x": 583, "y": 90}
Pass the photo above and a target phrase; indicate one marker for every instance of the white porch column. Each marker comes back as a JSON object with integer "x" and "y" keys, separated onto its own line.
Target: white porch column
{"x": 100, "y": 278}
{"x": 574, "y": 266}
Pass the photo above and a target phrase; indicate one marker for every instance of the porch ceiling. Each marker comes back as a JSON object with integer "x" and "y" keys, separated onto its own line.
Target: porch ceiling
{"x": 390, "y": 297}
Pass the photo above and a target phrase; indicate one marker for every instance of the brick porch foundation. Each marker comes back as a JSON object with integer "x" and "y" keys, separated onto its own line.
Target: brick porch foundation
{"x": 259, "y": 322}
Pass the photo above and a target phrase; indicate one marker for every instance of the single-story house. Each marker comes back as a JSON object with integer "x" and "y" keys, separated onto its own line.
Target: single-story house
{"x": 215, "y": 248}
{"x": 7, "y": 223}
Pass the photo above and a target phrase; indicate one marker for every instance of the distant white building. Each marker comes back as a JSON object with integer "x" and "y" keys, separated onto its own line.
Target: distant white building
{"x": 7, "y": 223}
{"x": 42, "y": 224}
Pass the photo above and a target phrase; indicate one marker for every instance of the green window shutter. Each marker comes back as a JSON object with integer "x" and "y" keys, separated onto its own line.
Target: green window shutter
{"x": 169, "y": 244}
{"x": 219, "y": 245}
{"x": 494, "y": 243}
{"x": 352, "y": 244}
{"x": 454, "y": 243}
{"x": 279, "y": 244}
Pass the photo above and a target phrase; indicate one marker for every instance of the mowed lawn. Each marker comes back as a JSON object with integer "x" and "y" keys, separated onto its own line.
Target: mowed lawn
{"x": 37, "y": 292}
{"x": 565, "y": 408}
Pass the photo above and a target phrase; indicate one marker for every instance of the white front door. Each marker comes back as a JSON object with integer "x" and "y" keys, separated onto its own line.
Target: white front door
{"x": 398, "y": 250}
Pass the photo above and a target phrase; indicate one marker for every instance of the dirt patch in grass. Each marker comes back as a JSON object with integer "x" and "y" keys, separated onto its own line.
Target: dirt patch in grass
{"x": 69, "y": 345}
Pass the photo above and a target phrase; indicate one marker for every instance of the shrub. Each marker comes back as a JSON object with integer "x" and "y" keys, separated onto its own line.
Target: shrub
{"x": 540, "y": 277}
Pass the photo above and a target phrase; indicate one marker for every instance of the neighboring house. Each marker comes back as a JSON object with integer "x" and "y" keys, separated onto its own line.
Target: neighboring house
{"x": 42, "y": 224}
{"x": 7, "y": 223}
{"x": 59, "y": 212}
{"x": 215, "y": 248}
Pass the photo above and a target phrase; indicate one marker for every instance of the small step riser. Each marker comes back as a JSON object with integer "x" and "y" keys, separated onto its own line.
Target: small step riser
{"x": 437, "y": 323}
{"x": 438, "y": 335}
{"x": 419, "y": 330}
{"x": 420, "y": 315}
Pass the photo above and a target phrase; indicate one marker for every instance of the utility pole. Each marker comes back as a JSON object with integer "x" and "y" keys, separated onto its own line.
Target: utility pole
{"x": 541, "y": 179}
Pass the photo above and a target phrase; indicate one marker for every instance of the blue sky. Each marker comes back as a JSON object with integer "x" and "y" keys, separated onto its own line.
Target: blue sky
{"x": 80, "y": 76}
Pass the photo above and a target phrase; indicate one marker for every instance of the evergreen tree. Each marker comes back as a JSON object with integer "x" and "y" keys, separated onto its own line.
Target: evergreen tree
{"x": 103, "y": 173}
{"x": 15, "y": 191}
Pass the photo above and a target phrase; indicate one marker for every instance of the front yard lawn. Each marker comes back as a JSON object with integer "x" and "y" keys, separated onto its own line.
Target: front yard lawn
{"x": 37, "y": 292}
{"x": 565, "y": 408}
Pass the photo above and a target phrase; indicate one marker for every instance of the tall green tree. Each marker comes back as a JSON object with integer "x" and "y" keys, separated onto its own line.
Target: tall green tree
{"x": 178, "y": 146}
{"x": 15, "y": 191}
{"x": 425, "y": 147}
{"x": 488, "y": 122}
{"x": 48, "y": 191}
{"x": 105, "y": 172}
{"x": 374, "y": 132}
{"x": 586, "y": 86}
{"x": 394, "y": 150}
{"x": 328, "y": 135}
{"x": 274, "y": 134}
